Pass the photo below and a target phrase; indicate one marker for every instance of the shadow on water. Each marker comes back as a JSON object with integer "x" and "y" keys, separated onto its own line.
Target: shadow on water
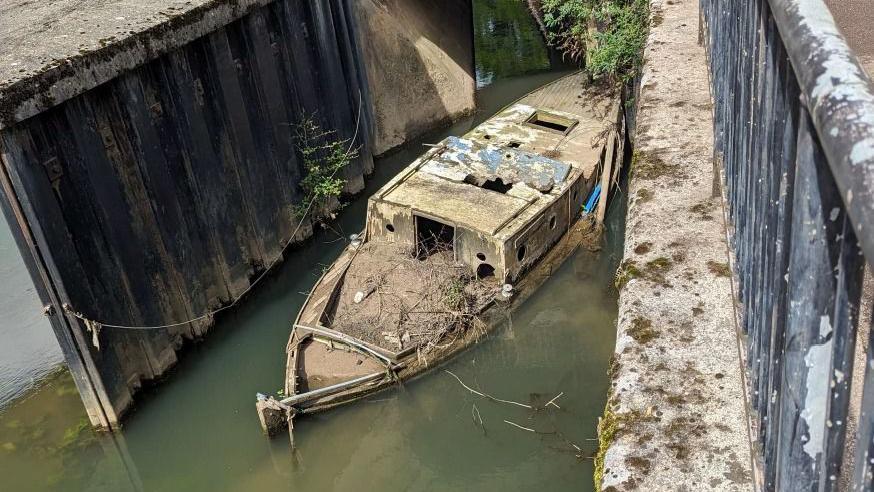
{"x": 198, "y": 429}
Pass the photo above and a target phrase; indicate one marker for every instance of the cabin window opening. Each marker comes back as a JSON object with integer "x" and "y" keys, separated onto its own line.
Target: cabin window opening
{"x": 552, "y": 222}
{"x": 498, "y": 185}
{"x": 484, "y": 270}
{"x": 433, "y": 237}
{"x": 480, "y": 257}
{"x": 514, "y": 145}
{"x": 521, "y": 252}
{"x": 389, "y": 228}
{"x": 551, "y": 122}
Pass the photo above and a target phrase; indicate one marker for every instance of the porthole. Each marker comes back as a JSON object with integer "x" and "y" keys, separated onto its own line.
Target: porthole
{"x": 480, "y": 257}
{"x": 520, "y": 253}
{"x": 389, "y": 228}
{"x": 484, "y": 270}
{"x": 552, "y": 222}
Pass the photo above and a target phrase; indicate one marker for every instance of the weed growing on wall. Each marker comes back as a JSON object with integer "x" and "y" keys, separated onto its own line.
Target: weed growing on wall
{"x": 324, "y": 158}
{"x": 607, "y": 35}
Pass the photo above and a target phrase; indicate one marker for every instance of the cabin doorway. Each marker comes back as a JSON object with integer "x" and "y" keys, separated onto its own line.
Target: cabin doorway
{"x": 433, "y": 236}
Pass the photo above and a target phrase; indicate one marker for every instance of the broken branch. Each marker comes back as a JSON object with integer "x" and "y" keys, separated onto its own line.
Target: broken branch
{"x": 519, "y": 426}
{"x": 552, "y": 401}
{"x": 489, "y": 397}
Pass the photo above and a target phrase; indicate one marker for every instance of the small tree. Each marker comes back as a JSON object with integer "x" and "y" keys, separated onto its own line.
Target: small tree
{"x": 324, "y": 158}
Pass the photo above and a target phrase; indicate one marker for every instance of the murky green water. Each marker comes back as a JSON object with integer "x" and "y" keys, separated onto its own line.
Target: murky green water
{"x": 508, "y": 43}
{"x": 197, "y": 430}
{"x": 34, "y": 351}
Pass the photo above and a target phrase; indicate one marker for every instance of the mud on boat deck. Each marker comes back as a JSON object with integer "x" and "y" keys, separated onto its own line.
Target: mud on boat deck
{"x": 322, "y": 364}
{"x": 405, "y": 300}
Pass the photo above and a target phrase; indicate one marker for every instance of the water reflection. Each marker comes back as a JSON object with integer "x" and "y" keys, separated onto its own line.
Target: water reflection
{"x": 508, "y": 43}
{"x": 35, "y": 351}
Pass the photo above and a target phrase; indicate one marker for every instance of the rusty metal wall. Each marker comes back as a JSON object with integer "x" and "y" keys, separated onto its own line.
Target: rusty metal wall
{"x": 160, "y": 194}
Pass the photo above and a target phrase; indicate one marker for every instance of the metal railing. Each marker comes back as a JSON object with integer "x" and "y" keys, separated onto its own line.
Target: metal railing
{"x": 794, "y": 129}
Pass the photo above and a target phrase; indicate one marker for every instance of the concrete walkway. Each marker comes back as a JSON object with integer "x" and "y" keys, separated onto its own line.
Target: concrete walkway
{"x": 676, "y": 416}
{"x": 855, "y": 18}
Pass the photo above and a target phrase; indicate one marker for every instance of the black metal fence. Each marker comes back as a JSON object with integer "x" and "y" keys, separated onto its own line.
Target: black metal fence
{"x": 794, "y": 128}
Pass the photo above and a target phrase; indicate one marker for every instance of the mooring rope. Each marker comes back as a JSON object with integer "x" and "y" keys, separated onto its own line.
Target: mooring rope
{"x": 95, "y": 326}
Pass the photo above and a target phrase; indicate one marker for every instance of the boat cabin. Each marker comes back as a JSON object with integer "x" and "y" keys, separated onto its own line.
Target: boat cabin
{"x": 499, "y": 197}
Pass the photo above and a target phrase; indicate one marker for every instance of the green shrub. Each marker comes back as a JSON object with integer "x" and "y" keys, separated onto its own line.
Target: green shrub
{"x": 608, "y": 35}
{"x": 324, "y": 157}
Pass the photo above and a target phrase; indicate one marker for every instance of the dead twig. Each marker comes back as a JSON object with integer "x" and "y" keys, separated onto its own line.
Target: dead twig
{"x": 488, "y": 397}
{"x": 477, "y": 418}
{"x": 519, "y": 426}
{"x": 552, "y": 401}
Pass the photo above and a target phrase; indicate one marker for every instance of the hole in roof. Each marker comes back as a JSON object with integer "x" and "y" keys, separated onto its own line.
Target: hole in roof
{"x": 514, "y": 145}
{"x": 481, "y": 257}
{"x": 390, "y": 228}
{"x": 551, "y": 122}
{"x": 521, "y": 252}
{"x": 498, "y": 185}
{"x": 487, "y": 136}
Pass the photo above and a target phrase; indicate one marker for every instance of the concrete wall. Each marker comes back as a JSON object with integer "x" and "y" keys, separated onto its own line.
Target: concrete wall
{"x": 420, "y": 65}
{"x": 150, "y": 194}
{"x": 675, "y": 416}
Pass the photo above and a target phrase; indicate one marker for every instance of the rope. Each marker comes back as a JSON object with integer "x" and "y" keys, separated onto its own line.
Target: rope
{"x": 95, "y": 326}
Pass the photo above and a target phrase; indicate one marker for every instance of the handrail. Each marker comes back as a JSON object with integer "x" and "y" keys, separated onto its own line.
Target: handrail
{"x": 840, "y": 99}
{"x": 794, "y": 134}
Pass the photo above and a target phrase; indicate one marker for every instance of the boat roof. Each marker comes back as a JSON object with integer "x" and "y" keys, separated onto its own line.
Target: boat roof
{"x": 509, "y": 168}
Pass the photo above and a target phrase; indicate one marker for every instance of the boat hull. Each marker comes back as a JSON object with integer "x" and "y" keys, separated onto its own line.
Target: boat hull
{"x": 411, "y": 366}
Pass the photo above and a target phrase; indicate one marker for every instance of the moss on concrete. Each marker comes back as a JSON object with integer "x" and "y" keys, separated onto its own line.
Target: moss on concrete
{"x": 653, "y": 270}
{"x": 719, "y": 269}
{"x": 610, "y": 426}
{"x": 642, "y": 331}
{"x": 703, "y": 210}
{"x": 650, "y": 166}
{"x": 626, "y": 271}
{"x": 643, "y": 248}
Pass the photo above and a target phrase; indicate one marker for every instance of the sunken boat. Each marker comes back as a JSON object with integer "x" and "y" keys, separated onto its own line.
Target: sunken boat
{"x": 451, "y": 245}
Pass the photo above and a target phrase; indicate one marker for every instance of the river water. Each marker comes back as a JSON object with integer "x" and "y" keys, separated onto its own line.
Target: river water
{"x": 29, "y": 350}
{"x": 198, "y": 430}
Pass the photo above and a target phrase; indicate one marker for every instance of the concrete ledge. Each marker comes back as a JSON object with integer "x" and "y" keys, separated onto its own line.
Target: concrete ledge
{"x": 55, "y": 50}
{"x": 676, "y": 417}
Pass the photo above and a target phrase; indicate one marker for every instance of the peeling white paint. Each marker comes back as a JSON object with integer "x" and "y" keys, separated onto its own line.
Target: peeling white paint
{"x": 818, "y": 361}
{"x": 862, "y": 151}
{"x": 825, "y": 327}
{"x": 842, "y": 80}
